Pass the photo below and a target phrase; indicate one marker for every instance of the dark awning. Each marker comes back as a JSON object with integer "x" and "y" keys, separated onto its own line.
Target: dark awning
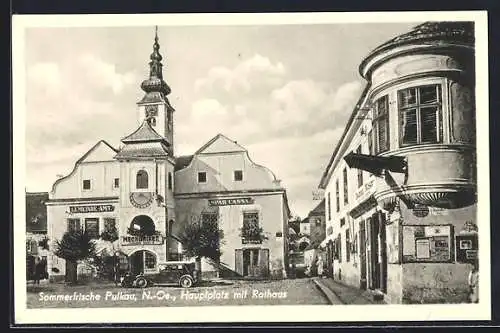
{"x": 375, "y": 164}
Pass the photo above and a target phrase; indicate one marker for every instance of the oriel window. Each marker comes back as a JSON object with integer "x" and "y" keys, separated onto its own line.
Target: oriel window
{"x": 381, "y": 125}
{"x": 141, "y": 180}
{"x": 420, "y": 115}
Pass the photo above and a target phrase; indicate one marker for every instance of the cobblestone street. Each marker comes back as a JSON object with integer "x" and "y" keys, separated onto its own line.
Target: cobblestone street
{"x": 286, "y": 292}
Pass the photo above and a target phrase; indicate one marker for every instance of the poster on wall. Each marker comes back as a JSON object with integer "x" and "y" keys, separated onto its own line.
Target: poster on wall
{"x": 429, "y": 243}
{"x": 393, "y": 243}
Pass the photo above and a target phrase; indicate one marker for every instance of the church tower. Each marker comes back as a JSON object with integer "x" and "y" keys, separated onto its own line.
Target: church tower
{"x": 147, "y": 208}
{"x": 155, "y": 107}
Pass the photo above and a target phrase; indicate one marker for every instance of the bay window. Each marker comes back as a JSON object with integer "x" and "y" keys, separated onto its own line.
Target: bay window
{"x": 420, "y": 115}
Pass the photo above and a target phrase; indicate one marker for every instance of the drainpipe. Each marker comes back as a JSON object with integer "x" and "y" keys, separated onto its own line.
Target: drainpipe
{"x": 156, "y": 178}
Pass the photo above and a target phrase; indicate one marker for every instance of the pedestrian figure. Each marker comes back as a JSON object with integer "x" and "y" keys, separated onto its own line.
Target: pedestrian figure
{"x": 473, "y": 281}
{"x": 319, "y": 263}
{"x": 43, "y": 269}
{"x": 38, "y": 268}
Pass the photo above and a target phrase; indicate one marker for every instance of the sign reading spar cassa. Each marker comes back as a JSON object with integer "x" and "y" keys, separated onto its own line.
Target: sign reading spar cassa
{"x": 91, "y": 209}
{"x": 230, "y": 201}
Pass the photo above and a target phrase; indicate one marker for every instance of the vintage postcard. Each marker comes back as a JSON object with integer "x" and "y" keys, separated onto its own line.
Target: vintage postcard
{"x": 306, "y": 166}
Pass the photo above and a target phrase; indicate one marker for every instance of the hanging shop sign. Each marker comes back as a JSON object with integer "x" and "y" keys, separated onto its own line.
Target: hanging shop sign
{"x": 230, "y": 202}
{"x": 91, "y": 209}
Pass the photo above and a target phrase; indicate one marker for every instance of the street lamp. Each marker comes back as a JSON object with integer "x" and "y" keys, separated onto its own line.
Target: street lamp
{"x": 116, "y": 261}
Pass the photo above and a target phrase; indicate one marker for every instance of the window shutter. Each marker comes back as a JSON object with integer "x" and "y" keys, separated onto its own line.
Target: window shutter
{"x": 238, "y": 257}
{"x": 264, "y": 262}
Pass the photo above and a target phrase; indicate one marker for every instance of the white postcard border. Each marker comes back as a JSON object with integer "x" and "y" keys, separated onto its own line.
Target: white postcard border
{"x": 261, "y": 313}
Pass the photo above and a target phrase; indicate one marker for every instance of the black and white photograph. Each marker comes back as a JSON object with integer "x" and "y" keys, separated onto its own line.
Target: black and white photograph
{"x": 306, "y": 166}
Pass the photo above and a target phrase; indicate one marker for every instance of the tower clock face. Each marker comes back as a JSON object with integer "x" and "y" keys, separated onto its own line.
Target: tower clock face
{"x": 141, "y": 199}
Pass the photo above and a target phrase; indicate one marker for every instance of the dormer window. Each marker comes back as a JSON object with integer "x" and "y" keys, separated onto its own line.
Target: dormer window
{"x": 142, "y": 180}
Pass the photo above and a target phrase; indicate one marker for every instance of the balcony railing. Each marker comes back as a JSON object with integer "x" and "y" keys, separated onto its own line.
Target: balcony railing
{"x": 142, "y": 240}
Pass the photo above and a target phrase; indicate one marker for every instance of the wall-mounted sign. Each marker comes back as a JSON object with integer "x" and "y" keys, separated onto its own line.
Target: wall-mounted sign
{"x": 91, "y": 209}
{"x": 230, "y": 202}
{"x": 364, "y": 189}
{"x": 420, "y": 211}
{"x": 466, "y": 247}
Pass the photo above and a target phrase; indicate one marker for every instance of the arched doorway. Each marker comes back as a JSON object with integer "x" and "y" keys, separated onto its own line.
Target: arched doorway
{"x": 142, "y": 261}
{"x": 142, "y": 225}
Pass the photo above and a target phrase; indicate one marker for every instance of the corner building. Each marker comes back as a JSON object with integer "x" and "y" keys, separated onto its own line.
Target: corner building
{"x": 147, "y": 195}
{"x": 400, "y": 187}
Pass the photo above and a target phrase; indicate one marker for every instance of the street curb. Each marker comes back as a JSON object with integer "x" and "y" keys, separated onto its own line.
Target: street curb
{"x": 330, "y": 295}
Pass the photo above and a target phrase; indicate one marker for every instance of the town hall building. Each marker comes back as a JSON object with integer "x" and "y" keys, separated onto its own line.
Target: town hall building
{"x": 147, "y": 195}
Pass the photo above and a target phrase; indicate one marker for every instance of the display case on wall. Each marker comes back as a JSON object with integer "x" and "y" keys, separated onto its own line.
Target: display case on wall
{"x": 466, "y": 247}
{"x": 427, "y": 243}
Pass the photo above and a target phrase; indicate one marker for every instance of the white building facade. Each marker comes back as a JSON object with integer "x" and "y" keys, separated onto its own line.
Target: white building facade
{"x": 144, "y": 194}
{"x": 400, "y": 188}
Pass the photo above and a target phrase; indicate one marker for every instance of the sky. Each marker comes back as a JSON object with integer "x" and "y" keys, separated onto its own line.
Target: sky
{"x": 284, "y": 92}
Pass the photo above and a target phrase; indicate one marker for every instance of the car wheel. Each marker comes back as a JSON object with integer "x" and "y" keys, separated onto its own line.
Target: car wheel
{"x": 186, "y": 282}
{"x": 141, "y": 282}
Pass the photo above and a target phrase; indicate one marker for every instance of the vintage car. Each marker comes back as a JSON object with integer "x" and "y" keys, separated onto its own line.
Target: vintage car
{"x": 182, "y": 273}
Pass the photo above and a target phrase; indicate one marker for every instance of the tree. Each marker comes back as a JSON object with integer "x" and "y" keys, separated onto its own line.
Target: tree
{"x": 202, "y": 240}
{"x": 44, "y": 243}
{"x": 252, "y": 233}
{"x": 74, "y": 246}
{"x": 110, "y": 234}
{"x": 294, "y": 223}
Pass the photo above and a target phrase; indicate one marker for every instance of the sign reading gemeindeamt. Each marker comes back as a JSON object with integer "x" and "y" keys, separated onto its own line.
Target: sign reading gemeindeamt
{"x": 231, "y": 201}
{"x": 91, "y": 209}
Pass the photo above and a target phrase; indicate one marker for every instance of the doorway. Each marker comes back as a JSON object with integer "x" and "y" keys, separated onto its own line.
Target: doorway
{"x": 362, "y": 255}
{"x": 142, "y": 261}
{"x": 330, "y": 257}
{"x": 378, "y": 252}
{"x": 252, "y": 263}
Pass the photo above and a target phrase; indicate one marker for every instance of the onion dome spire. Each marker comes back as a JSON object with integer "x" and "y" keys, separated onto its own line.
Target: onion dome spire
{"x": 155, "y": 81}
